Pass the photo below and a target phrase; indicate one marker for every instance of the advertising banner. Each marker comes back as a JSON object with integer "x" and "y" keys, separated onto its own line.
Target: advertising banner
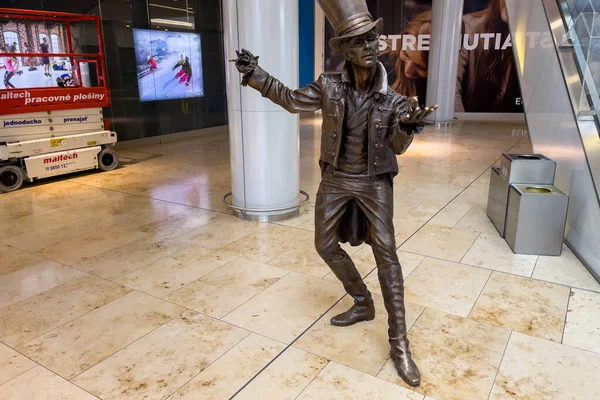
{"x": 486, "y": 80}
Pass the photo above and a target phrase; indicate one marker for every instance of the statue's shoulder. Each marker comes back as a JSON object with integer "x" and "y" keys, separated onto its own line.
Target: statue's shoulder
{"x": 395, "y": 97}
{"x": 331, "y": 77}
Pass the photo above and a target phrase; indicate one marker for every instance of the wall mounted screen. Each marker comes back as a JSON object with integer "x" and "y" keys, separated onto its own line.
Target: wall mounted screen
{"x": 169, "y": 64}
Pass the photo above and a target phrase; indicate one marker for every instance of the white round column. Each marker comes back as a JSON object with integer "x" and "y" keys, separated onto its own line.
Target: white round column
{"x": 264, "y": 138}
{"x": 443, "y": 58}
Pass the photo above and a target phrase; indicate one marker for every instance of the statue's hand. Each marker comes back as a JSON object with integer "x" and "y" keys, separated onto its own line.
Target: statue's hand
{"x": 413, "y": 120}
{"x": 246, "y": 61}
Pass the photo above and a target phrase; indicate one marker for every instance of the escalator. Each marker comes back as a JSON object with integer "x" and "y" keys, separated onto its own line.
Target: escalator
{"x": 557, "y": 49}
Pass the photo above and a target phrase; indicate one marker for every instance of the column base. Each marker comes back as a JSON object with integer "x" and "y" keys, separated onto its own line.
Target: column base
{"x": 266, "y": 218}
{"x": 267, "y": 215}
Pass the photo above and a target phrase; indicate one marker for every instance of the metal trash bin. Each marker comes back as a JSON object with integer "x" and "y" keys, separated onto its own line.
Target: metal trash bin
{"x": 536, "y": 219}
{"x": 515, "y": 168}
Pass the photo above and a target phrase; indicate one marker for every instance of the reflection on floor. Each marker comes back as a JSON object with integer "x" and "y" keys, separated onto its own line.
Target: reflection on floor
{"x": 139, "y": 284}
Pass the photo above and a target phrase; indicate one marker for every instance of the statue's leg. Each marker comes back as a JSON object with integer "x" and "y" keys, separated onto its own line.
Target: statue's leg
{"x": 332, "y": 202}
{"x": 378, "y": 206}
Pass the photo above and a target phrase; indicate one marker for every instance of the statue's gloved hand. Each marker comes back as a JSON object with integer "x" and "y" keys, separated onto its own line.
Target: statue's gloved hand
{"x": 246, "y": 62}
{"x": 412, "y": 119}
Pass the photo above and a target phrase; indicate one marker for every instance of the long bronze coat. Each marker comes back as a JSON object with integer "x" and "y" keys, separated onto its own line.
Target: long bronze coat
{"x": 387, "y": 138}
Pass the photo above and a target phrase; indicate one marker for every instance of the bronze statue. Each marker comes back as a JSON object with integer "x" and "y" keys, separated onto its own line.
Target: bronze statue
{"x": 365, "y": 125}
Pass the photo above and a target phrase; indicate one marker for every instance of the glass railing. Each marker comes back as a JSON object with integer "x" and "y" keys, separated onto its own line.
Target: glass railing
{"x": 582, "y": 24}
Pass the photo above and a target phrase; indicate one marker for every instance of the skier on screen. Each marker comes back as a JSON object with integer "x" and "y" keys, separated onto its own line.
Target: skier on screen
{"x": 152, "y": 63}
{"x": 11, "y": 64}
{"x": 185, "y": 74}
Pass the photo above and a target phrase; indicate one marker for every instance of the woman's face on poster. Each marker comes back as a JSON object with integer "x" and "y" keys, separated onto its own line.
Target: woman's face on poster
{"x": 414, "y": 64}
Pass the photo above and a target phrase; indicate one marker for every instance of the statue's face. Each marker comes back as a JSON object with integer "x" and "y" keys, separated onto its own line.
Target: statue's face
{"x": 363, "y": 50}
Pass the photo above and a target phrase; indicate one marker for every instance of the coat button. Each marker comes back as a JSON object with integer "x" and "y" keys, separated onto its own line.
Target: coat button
{"x": 375, "y": 163}
{"x": 380, "y": 108}
{"x": 334, "y": 135}
{"x": 378, "y": 126}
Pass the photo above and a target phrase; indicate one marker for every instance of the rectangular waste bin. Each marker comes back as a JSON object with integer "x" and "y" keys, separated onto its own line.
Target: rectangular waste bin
{"x": 536, "y": 219}
{"x": 515, "y": 168}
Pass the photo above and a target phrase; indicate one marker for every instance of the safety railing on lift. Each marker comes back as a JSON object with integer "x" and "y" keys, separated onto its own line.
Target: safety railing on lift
{"x": 46, "y": 98}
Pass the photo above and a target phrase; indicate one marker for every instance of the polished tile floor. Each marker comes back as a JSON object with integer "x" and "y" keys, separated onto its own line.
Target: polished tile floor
{"x": 139, "y": 284}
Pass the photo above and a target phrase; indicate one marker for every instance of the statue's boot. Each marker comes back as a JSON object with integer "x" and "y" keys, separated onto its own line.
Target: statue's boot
{"x": 363, "y": 308}
{"x": 392, "y": 287}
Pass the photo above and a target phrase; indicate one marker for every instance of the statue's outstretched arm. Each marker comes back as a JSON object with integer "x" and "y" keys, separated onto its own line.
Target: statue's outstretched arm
{"x": 306, "y": 99}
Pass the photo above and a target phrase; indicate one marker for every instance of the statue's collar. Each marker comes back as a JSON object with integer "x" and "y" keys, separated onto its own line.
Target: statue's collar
{"x": 381, "y": 84}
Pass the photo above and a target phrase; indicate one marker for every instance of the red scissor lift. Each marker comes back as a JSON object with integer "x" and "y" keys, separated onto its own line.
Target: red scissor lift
{"x": 51, "y": 130}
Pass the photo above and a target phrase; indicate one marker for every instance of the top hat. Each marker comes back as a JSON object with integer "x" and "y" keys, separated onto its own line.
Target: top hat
{"x": 349, "y": 18}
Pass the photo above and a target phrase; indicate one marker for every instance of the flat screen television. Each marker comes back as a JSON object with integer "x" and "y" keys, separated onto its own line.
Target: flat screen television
{"x": 169, "y": 64}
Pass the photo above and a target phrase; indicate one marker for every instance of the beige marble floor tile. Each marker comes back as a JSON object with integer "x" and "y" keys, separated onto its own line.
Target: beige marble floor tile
{"x": 306, "y": 215}
{"x": 476, "y": 219}
{"x": 30, "y": 318}
{"x": 11, "y": 209}
{"x": 223, "y": 290}
{"x": 181, "y": 223}
{"x": 286, "y": 378}
{"x": 284, "y": 310}
{"x": 303, "y": 258}
{"x": 34, "y": 280}
{"x": 268, "y": 243}
{"x": 451, "y": 214}
{"x": 127, "y": 211}
{"x": 534, "y": 369}
{"x": 436, "y": 191}
{"x": 475, "y": 195}
{"x": 425, "y": 211}
{"x": 404, "y": 204}
{"x": 405, "y": 228}
{"x": 441, "y": 242}
{"x": 39, "y": 383}
{"x": 583, "y": 321}
{"x": 122, "y": 260}
{"x": 228, "y": 374}
{"x": 338, "y": 382}
{"x": 525, "y": 305}
{"x": 363, "y": 346}
{"x": 162, "y": 361}
{"x": 57, "y": 195}
{"x": 308, "y": 225}
{"x": 565, "y": 270}
{"x": 408, "y": 261}
{"x": 167, "y": 275}
{"x": 12, "y": 364}
{"x": 16, "y": 226}
{"x": 221, "y": 232}
{"x": 458, "y": 358}
{"x": 85, "y": 341}
{"x": 127, "y": 181}
{"x": 199, "y": 254}
{"x": 492, "y": 252}
{"x": 75, "y": 251}
{"x": 201, "y": 195}
{"x": 47, "y": 235}
{"x": 445, "y": 286}
{"x": 14, "y": 259}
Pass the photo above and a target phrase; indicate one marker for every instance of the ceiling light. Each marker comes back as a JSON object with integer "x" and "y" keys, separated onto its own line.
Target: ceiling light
{"x": 171, "y": 22}
{"x": 171, "y": 8}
